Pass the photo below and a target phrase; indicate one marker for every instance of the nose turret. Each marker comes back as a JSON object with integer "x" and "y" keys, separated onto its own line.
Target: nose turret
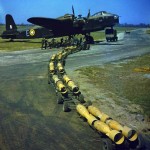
{"x": 111, "y": 18}
{"x": 116, "y": 18}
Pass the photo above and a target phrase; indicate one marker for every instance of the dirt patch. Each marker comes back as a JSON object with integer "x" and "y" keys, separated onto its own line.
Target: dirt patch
{"x": 119, "y": 91}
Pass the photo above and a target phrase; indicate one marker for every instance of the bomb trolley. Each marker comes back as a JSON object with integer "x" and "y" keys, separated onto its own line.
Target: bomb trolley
{"x": 69, "y": 95}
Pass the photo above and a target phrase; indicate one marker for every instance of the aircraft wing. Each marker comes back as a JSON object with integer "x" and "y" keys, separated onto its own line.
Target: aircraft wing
{"x": 48, "y": 23}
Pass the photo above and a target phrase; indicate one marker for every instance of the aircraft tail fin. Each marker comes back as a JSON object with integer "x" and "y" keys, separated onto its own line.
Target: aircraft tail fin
{"x": 10, "y": 23}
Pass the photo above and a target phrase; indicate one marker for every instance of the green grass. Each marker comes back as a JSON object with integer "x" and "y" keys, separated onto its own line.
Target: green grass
{"x": 19, "y": 44}
{"x": 122, "y": 29}
{"x": 99, "y": 35}
{"x": 2, "y": 28}
{"x": 122, "y": 80}
{"x": 148, "y": 31}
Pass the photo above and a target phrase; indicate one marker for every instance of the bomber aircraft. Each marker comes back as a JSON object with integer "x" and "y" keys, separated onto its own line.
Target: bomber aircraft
{"x": 67, "y": 25}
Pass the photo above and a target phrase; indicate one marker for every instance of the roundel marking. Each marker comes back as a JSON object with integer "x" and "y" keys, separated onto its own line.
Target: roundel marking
{"x": 32, "y": 32}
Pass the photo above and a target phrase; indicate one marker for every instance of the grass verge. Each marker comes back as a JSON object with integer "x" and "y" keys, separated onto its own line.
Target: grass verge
{"x": 122, "y": 80}
{"x": 148, "y": 31}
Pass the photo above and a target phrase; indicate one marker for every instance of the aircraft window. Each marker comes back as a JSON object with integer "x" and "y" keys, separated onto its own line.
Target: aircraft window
{"x": 100, "y": 13}
{"x": 104, "y": 12}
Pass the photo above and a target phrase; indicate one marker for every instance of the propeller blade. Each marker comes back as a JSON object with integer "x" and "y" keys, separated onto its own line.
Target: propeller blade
{"x": 73, "y": 10}
{"x": 89, "y": 14}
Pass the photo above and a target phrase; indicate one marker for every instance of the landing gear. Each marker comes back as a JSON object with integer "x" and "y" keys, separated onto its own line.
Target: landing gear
{"x": 89, "y": 39}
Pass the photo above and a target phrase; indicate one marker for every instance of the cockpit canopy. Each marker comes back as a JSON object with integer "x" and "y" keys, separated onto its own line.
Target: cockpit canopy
{"x": 66, "y": 16}
{"x": 101, "y": 13}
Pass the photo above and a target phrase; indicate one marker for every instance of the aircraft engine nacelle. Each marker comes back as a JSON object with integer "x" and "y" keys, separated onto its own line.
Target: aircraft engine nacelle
{"x": 79, "y": 23}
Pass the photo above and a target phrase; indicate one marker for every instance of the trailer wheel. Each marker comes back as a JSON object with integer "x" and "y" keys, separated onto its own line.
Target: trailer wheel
{"x": 88, "y": 103}
{"x": 83, "y": 118}
{"x": 66, "y": 107}
{"x": 48, "y": 81}
{"x": 81, "y": 98}
{"x": 59, "y": 99}
{"x": 107, "y": 144}
{"x": 64, "y": 62}
{"x": 138, "y": 144}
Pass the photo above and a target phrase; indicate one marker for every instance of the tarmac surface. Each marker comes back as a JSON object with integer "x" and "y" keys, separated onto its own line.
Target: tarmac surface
{"x": 30, "y": 117}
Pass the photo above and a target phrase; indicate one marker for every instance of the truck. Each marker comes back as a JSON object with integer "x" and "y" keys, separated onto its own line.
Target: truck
{"x": 111, "y": 35}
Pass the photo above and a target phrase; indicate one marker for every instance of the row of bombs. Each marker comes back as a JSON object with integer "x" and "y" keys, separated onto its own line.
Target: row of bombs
{"x": 68, "y": 92}
{"x": 122, "y": 136}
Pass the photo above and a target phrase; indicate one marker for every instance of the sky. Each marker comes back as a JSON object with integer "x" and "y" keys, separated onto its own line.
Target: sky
{"x": 130, "y": 11}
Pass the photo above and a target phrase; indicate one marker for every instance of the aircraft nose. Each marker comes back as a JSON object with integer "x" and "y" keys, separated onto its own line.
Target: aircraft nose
{"x": 116, "y": 18}
{"x": 112, "y": 19}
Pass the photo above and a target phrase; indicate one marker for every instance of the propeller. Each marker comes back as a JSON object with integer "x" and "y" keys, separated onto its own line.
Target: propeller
{"x": 73, "y": 12}
{"x": 89, "y": 14}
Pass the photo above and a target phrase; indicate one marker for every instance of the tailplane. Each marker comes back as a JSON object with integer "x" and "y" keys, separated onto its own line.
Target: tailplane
{"x": 10, "y": 23}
